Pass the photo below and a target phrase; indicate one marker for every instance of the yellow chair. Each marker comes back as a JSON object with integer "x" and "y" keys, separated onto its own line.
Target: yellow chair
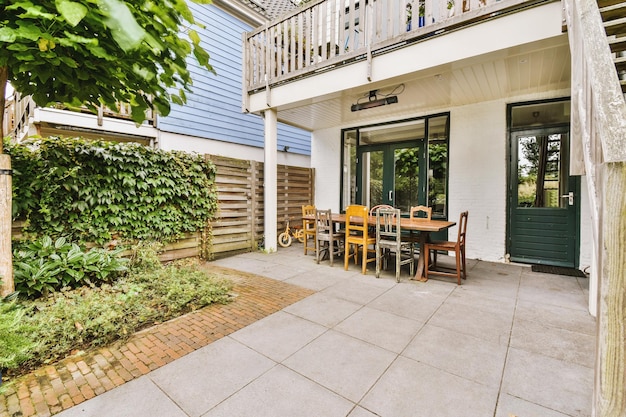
{"x": 458, "y": 247}
{"x": 357, "y": 235}
{"x": 308, "y": 226}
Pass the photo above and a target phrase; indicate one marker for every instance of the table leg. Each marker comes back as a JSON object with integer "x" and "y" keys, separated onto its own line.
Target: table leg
{"x": 423, "y": 257}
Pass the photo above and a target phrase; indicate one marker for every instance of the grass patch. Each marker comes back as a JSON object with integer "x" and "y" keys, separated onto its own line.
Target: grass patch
{"x": 45, "y": 330}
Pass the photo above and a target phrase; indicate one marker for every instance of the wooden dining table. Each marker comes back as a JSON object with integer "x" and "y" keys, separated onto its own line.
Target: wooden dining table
{"x": 424, "y": 226}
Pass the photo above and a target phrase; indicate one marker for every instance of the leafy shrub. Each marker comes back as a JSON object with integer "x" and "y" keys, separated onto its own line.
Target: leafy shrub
{"x": 92, "y": 191}
{"x": 43, "y": 265}
{"x": 89, "y": 317}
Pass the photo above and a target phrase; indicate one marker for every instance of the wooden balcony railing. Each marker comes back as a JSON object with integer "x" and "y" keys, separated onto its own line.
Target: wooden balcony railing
{"x": 328, "y": 33}
{"x": 24, "y": 108}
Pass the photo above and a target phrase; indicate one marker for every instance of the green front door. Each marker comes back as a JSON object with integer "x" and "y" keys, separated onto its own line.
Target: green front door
{"x": 392, "y": 174}
{"x": 543, "y": 199}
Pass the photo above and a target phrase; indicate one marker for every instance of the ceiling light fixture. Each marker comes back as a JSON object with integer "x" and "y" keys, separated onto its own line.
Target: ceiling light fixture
{"x": 374, "y": 101}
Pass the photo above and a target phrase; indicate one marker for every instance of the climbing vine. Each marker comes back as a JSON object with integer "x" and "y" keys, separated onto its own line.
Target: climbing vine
{"x": 96, "y": 191}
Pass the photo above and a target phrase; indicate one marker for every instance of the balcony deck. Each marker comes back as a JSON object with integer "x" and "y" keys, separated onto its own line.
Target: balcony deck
{"x": 323, "y": 35}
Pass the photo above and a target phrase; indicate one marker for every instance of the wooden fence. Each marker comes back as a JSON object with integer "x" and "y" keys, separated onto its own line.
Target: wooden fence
{"x": 238, "y": 226}
{"x": 239, "y": 223}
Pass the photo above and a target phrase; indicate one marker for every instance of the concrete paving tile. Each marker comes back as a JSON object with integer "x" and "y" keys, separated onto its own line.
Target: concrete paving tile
{"x": 204, "y": 378}
{"x": 567, "y": 345}
{"x": 551, "y": 383}
{"x": 459, "y": 354}
{"x": 282, "y": 393}
{"x": 279, "y": 335}
{"x": 281, "y": 272}
{"x": 355, "y": 290}
{"x": 551, "y": 289}
{"x": 316, "y": 279}
{"x": 380, "y": 328}
{"x": 491, "y": 287}
{"x": 511, "y": 406}
{"x": 488, "y": 302}
{"x": 137, "y": 398}
{"x": 323, "y": 309}
{"x": 482, "y": 321}
{"x": 576, "y": 320}
{"x": 414, "y": 301}
{"x": 341, "y": 363}
{"x": 413, "y": 389}
{"x": 361, "y": 412}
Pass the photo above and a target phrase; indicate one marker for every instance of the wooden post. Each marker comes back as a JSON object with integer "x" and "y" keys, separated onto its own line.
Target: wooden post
{"x": 6, "y": 256}
{"x": 611, "y": 400}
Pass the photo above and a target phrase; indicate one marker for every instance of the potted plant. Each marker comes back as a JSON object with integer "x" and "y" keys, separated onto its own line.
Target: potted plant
{"x": 450, "y": 8}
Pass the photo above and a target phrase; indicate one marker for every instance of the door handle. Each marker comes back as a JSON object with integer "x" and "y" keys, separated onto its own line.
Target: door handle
{"x": 570, "y": 197}
{"x": 390, "y": 196}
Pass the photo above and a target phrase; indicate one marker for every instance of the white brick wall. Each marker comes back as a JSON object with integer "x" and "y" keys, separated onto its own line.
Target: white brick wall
{"x": 478, "y": 172}
{"x": 478, "y": 176}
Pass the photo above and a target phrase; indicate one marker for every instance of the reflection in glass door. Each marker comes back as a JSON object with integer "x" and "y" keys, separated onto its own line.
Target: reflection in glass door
{"x": 544, "y": 199}
{"x": 390, "y": 174}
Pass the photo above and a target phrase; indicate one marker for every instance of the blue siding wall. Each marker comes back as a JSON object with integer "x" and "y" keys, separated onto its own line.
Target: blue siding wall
{"x": 213, "y": 109}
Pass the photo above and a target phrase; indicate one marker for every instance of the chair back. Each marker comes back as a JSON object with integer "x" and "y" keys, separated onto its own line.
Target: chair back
{"x": 415, "y": 212}
{"x": 462, "y": 229}
{"x": 324, "y": 222}
{"x": 356, "y": 220}
{"x": 373, "y": 209}
{"x": 308, "y": 210}
{"x": 388, "y": 225}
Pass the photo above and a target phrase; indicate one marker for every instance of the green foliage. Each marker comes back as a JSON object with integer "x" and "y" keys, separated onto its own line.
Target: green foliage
{"x": 90, "y": 317}
{"x": 100, "y": 51}
{"x": 43, "y": 266}
{"x": 100, "y": 191}
{"x": 14, "y": 342}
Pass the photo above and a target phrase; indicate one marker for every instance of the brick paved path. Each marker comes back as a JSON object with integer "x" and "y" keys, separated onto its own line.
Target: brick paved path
{"x": 54, "y": 388}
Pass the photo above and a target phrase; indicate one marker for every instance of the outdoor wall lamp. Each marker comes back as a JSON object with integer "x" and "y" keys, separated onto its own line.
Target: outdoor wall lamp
{"x": 374, "y": 101}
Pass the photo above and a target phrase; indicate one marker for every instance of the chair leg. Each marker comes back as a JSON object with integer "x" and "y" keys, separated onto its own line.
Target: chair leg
{"x": 463, "y": 258}
{"x": 364, "y": 260}
{"x": 378, "y": 261}
{"x": 346, "y": 257}
{"x": 398, "y": 254}
{"x": 457, "y": 256}
{"x": 331, "y": 251}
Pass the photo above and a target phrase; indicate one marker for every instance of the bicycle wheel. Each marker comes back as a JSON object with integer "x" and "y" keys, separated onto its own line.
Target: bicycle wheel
{"x": 284, "y": 240}
{"x": 300, "y": 235}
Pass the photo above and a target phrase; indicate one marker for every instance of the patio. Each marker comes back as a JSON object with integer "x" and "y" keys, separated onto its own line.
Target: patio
{"x": 508, "y": 342}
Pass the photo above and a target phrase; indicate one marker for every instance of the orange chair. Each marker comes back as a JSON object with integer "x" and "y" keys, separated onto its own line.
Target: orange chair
{"x": 357, "y": 235}
{"x": 308, "y": 226}
{"x": 458, "y": 247}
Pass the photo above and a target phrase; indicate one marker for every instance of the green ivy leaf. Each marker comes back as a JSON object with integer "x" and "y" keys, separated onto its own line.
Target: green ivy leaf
{"x": 72, "y": 12}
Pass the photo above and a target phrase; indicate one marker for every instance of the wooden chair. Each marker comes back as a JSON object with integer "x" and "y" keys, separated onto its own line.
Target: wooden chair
{"x": 389, "y": 240}
{"x": 326, "y": 237}
{"x": 415, "y": 211}
{"x": 458, "y": 247}
{"x": 308, "y": 226}
{"x": 357, "y": 235}
{"x": 373, "y": 209}
{"x": 418, "y": 212}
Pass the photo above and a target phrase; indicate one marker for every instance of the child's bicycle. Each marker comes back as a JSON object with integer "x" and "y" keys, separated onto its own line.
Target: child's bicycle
{"x": 284, "y": 239}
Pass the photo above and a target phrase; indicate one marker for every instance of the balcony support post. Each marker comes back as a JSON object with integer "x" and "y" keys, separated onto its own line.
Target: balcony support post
{"x": 270, "y": 170}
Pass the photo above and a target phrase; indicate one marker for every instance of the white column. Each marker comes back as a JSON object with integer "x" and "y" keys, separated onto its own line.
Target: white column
{"x": 270, "y": 180}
